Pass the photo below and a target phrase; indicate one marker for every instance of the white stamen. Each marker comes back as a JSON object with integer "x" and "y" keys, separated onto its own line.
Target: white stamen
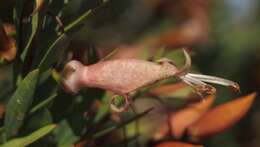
{"x": 214, "y": 80}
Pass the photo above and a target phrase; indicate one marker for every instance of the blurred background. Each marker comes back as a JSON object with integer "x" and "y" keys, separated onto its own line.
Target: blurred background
{"x": 221, "y": 35}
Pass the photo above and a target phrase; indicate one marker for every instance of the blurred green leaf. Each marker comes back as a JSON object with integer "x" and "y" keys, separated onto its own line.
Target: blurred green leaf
{"x": 34, "y": 27}
{"x": 19, "y": 4}
{"x": 23, "y": 32}
{"x": 24, "y": 141}
{"x": 52, "y": 54}
{"x": 77, "y": 21}
{"x": 20, "y": 61}
{"x": 159, "y": 53}
{"x": 102, "y": 112}
{"x": 19, "y": 103}
{"x": 39, "y": 119}
{"x": 176, "y": 56}
{"x": 145, "y": 54}
{"x": 43, "y": 104}
{"x": 117, "y": 126}
{"x": 61, "y": 43}
{"x": 64, "y": 134}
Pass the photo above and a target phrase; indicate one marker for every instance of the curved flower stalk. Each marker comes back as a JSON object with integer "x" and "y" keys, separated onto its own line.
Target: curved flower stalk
{"x": 123, "y": 76}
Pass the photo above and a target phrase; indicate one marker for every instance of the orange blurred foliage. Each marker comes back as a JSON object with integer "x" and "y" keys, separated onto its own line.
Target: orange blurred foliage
{"x": 180, "y": 120}
{"x": 184, "y": 118}
{"x": 221, "y": 117}
{"x": 176, "y": 144}
{"x": 7, "y": 45}
{"x": 2, "y": 110}
{"x": 168, "y": 89}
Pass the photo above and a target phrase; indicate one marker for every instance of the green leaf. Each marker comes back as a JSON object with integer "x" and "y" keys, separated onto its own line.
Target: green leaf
{"x": 176, "y": 55}
{"x": 34, "y": 27}
{"x": 159, "y": 53}
{"x": 22, "y": 52}
{"x": 102, "y": 112}
{"x": 19, "y": 4}
{"x": 19, "y": 103}
{"x": 77, "y": 21}
{"x": 24, "y": 141}
{"x": 61, "y": 43}
{"x": 145, "y": 54}
{"x": 54, "y": 52}
{"x": 38, "y": 120}
{"x": 43, "y": 104}
{"x": 117, "y": 126}
{"x": 64, "y": 134}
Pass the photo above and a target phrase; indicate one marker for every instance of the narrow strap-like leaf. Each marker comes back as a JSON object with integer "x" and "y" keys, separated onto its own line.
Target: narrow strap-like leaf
{"x": 34, "y": 27}
{"x": 117, "y": 126}
{"x": 60, "y": 43}
{"x": 43, "y": 104}
{"x": 24, "y": 141}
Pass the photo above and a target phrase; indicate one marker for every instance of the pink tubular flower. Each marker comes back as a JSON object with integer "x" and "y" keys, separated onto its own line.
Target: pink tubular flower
{"x": 123, "y": 76}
